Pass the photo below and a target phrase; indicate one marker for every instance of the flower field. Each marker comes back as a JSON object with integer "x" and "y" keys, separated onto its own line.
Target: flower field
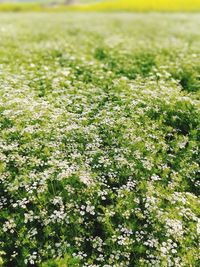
{"x": 99, "y": 137}
{"x": 101, "y": 5}
{"x": 143, "y": 5}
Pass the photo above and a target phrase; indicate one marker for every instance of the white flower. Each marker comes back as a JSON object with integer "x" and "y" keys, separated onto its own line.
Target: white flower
{"x": 163, "y": 250}
{"x": 198, "y": 226}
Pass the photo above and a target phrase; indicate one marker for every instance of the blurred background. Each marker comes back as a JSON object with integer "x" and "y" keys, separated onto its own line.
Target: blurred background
{"x": 101, "y": 5}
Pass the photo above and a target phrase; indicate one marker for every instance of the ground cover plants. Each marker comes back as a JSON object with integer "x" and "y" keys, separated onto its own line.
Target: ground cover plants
{"x": 99, "y": 136}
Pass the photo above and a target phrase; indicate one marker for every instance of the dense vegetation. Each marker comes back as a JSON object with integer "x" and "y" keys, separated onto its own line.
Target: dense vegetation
{"x": 99, "y": 135}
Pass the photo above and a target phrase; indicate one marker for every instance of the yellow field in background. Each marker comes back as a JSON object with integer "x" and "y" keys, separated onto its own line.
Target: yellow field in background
{"x": 147, "y": 5}
{"x": 110, "y": 5}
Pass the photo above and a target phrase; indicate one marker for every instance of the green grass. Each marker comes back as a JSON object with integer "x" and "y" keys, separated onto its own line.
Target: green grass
{"x": 99, "y": 137}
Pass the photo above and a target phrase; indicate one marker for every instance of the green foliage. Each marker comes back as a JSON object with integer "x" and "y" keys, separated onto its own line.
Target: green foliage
{"x": 65, "y": 262}
{"x": 99, "y": 139}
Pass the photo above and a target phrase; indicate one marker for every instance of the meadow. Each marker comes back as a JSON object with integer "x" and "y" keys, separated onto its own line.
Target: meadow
{"x": 99, "y": 139}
